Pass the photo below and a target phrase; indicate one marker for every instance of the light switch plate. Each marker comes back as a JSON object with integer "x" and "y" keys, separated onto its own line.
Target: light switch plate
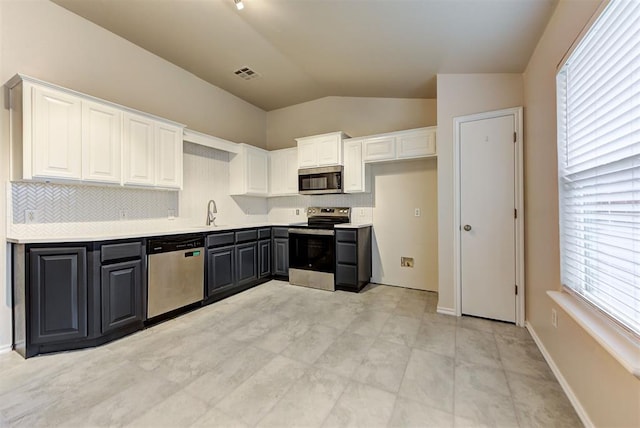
{"x": 417, "y": 212}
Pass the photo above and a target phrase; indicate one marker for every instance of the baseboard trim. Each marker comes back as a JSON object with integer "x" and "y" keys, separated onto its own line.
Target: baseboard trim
{"x": 5, "y": 348}
{"x": 582, "y": 414}
{"x": 446, "y": 311}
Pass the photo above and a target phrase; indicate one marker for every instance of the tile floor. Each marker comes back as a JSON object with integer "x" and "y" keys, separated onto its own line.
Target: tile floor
{"x": 284, "y": 356}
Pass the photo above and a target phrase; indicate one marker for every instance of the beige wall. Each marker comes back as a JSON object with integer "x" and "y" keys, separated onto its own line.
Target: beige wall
{"x": 48, "y": 42}
{"x": 609, "y": 395}
{"x": 5, "y": 292}
{"x": 353, "y": 115}
{"x": 459, "y": 95}
{"x": 41, "y": 39}
{"x": 397, "y": 231}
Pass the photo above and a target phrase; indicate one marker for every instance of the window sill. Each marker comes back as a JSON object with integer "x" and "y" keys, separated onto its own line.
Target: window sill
{"x": 625, "y": 349}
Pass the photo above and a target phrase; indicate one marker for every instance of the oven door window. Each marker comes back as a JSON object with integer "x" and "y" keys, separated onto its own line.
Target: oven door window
{"x": 312, "y": 252}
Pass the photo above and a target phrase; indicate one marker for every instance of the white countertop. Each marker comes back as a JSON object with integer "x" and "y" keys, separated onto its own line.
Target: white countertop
{"x": 43, "y": 233}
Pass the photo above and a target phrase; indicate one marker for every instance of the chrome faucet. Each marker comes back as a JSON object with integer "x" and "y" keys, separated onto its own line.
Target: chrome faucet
{"x": 211, "y": 210}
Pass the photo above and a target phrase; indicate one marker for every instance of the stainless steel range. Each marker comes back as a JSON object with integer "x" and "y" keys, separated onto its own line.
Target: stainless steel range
{"x": 312, "y": 247}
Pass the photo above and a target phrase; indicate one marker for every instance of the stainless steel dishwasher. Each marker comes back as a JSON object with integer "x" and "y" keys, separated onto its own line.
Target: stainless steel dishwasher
{"x": 176, "y": 273}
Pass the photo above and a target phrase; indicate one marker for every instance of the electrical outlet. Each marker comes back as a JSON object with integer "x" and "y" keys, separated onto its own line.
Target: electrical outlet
{"x": 171, "y": 214}
{"x": 361, "y": 212}
{"x": 417, "y": 212}
{"x": 297, "y": 211}
{"x": 123, "y": 215}
{"x": 554, "y": 318}
{"x": 406, "y": 262}
{"x": 31, "y": 216}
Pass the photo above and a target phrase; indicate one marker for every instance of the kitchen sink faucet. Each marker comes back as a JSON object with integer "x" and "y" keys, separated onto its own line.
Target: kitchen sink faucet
{"x": 211, "y": 210}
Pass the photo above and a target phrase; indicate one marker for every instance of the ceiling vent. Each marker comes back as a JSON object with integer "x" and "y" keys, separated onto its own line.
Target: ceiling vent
{"x": 246, "y": 73}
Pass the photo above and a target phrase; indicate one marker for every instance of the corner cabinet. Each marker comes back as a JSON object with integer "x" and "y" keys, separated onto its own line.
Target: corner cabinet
{"x": 357, "y": 178}
{"x": 283, "y": 172}
{"x": 61, "y": 135}
{"x": 249, "y": 171}
{"x": 58, "y": 293}
{"x": 320, "y": 150}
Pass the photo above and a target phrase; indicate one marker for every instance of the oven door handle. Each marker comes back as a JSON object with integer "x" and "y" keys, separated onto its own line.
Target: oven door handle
{"x": 320, "y": 232}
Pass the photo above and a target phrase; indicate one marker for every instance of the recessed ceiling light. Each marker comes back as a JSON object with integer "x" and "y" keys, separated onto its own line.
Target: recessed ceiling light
{"x": 239, "y": 4}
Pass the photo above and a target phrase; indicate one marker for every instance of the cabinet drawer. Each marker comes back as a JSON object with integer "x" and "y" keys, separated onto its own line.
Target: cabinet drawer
{"x": 220, "y": 239}
{"x": 264, "y": 233}
{"x": 346, "y": 275}
{"x": 280, "y": 232}
{"x": 127, "y": 250}
{"x": 346, "y": 235}
{"x": 347, "y": 252}
{"x": 246, "y": 235}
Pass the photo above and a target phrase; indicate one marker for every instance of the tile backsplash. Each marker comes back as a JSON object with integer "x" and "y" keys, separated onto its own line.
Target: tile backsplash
{"x": 60, "y": 203}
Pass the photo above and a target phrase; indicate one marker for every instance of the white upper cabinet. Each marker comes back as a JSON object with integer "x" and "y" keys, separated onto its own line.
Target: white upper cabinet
{"x": 249, "y": 171}
{"x": 152, "y": 153}
{"x": 283, "y": 172}
{"x": 413, "y": 143}
{"x": 420, "y": 143}
{"x": 379, "y": 148}
{"x": 356, "y": 179}
{"x": 60, "y": 134}
{"x": 168, "y": 156}
{"x": 320, "y": 150}
{"x": 139, "y": 150}
{"x": 56, "y": 144}
{"x": 101, "y": 143}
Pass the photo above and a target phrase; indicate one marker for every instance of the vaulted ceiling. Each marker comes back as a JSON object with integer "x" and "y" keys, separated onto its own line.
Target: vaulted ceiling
{"x": 308, "y": 49}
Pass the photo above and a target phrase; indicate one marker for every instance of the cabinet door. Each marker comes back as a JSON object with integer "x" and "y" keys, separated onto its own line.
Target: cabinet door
{"x": 264, "y": 262}
{"x": 276, "y": 166}
{"x": 121, "y": 292}
{"x": 220, "y": 268}
{"x": 139, "y": 150}
{"x": 57, "y": 136}
{"x": 290, "y": 172}
{"x": 168, "y": 156}
{"x": 247, "y": 263}
{"x": 257, "y": 172}
{"x": 58, "y": 294}
{"x": 281, "y": 256}
{"x": 329, "y": 150}
{"x": 101, "y": 143}
{"x": 379, "y": 149}
{"x": 354, "y": 178}
{"x": 416, "y": 144}
{"x": 283, "y": 172}
{"x": 307, "y": 154}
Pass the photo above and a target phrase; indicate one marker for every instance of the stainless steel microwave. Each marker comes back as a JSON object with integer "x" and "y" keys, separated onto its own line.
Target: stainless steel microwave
{"x": 322, "y": 180}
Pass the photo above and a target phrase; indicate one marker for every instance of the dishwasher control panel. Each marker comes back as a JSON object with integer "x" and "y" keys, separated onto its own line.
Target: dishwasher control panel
{"x": 167, "y": 244}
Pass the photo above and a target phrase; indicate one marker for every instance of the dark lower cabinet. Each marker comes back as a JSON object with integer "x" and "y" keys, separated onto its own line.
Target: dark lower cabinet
{"x": 280, "y": 267}
{"x": 247, "y": 262}
{"x": 220, "y": 268}
{"x": 353, "y": 258}
{"x": 121, "y": 294}
{"x": 58, "y": 294}
{"x": 264, "y": 258}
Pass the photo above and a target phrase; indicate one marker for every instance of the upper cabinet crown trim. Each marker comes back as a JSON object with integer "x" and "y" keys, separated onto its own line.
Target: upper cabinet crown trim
{"x": 211, "y": 141}
{"x": 15, "y": 80}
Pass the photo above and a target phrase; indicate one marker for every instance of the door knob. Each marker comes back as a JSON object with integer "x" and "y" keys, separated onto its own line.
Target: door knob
{"x": 467, "y": 227}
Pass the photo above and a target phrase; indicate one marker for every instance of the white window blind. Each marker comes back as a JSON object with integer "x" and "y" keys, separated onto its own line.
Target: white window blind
{"x": 599, "y": 164}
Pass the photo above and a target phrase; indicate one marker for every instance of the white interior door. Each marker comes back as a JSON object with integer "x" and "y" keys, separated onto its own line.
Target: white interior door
{"x": 487, "y": 218}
